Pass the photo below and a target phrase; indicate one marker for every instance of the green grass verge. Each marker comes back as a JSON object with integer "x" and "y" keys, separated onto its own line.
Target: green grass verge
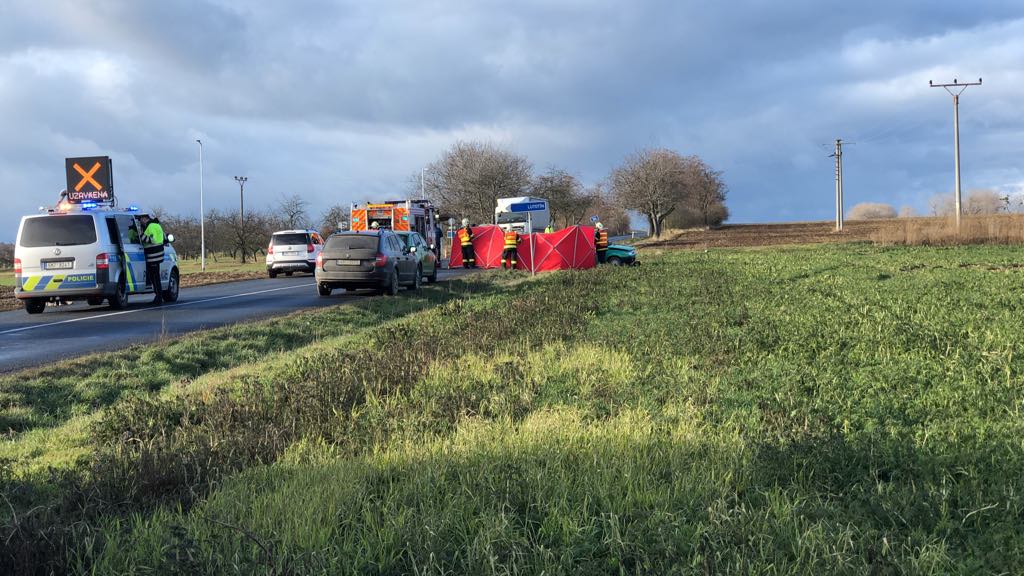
{"x": 830, "y": 409}
{"x": 222, "y": 264}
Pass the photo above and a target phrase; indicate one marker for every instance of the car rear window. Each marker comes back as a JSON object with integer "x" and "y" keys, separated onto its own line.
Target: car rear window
{"x": 58, "y": 231}
{"x": 289, "y": 239}
{"x": 353, "y": 242}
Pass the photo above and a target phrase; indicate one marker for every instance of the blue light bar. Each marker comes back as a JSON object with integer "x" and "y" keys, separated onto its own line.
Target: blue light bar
{"x": 89, "y": 205}
{"x": 133, "y": 208}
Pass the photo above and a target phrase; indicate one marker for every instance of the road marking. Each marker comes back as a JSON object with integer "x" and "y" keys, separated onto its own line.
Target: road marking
{"x": 109, "y": 314}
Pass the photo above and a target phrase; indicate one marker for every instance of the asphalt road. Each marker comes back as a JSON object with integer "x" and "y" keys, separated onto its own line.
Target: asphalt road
{"x": 69, "y": 331}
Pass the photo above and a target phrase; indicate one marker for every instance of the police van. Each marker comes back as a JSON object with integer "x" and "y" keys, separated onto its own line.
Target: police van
{"x": 86, "y": 251}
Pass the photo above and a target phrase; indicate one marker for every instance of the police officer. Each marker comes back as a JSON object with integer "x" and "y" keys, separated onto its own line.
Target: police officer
{"x": 511, "y": 252}
{"x": 466, "y": 240}
{"x": 153, "y": 245}
{"x": 601, "y": 242}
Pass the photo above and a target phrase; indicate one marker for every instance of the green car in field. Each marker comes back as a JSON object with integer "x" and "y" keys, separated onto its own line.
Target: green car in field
{"x": 621, "y": 254}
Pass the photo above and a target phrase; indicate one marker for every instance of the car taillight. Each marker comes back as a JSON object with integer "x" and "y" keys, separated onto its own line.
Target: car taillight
{"x": 309, "y": 248}
{"x": 17, "y": 266}
{"x": 102, "y": 262}
{"x": 270, "y": 248}
{"x": 381, "y": 260}
{"x": 320, "y": 260}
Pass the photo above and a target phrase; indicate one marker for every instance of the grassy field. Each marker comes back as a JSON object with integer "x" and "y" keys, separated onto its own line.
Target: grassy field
{"x": 831, "y": 409}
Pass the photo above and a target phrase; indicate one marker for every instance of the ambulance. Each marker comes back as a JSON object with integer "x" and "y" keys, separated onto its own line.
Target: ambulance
{"x": 398, "y": 215}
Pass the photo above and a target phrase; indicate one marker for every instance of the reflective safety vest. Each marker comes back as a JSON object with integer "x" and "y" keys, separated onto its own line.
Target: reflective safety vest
{"x": 601, "y": 239}
{"x": 511, "y": 239}
{"x": 466, "y": 236}
{"x": 153, "y": 242}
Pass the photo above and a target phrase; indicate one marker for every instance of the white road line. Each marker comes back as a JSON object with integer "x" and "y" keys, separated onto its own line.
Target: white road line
{"x": 153, "y": 309}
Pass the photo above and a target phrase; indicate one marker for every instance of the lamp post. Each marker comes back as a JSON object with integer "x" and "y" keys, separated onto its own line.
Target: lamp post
{"x": 202, "y": 212}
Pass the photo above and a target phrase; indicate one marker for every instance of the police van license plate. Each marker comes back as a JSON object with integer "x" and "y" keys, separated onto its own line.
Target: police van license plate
{"x": 349, "y": 262}
{"x": 65, "y": 265}
{"x": 289, "y": 253}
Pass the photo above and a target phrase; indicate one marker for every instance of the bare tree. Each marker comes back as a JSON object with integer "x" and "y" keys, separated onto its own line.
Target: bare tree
{"x": 655, "y": 183}
{"x": 985, "y": 202}
{"x": 335, "y": 218}
{"x": 567, "y": 199}
{"x": 615, "y": 219}
{"x": 469, "y": 178}
{"x": 293, "y": 210}
{"x": 709, "y": 192}
{"x": 942, "y": 204}
{"x": 6, "y": 255}
{"x": 872, "y": 211}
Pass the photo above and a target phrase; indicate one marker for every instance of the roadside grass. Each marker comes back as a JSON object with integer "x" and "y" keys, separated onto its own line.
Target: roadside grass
{"x": 7, "y": 277}
{"x": 223, "y": 263}
{"x": 836, "y": 409}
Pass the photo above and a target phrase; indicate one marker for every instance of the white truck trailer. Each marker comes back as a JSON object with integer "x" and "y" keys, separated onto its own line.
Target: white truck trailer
{"x": 523, "y": 214}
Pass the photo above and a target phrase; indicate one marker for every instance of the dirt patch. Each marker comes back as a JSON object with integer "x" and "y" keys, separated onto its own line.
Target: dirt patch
{"x": 739, "y": 235}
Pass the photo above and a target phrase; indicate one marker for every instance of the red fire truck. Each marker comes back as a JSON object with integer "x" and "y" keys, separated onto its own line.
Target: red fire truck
{"x": 400, "y": 215}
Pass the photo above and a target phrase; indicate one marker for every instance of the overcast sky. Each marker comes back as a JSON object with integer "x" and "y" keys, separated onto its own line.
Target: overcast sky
{"x": 342, "y": 101}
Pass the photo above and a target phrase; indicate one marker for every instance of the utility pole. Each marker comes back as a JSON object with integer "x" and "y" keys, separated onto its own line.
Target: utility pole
{"x": 241, "y": 198}
{"x": 838, "y": 155}
{"x": 241, "y": 215}
{"x": 202, "y": 212}
{"x": 955, "y": 90}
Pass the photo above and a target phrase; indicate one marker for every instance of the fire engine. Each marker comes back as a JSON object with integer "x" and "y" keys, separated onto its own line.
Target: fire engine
{"x": 399, "y": 215}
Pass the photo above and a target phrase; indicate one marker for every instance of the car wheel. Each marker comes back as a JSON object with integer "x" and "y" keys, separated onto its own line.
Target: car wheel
{"x": 392, "y": 288}
{"x": 272, "y": 274}
{"x": 173, "y": 287}
{"x": 35, "y": 306}
{"x": 94, "y": 300}
{"x": 417, "y": 283}
{"x": 615, "y": 261}
{"x": 120, "y": 298}
{"x": 433, "y": 276}
{"x": 323, "y": 289}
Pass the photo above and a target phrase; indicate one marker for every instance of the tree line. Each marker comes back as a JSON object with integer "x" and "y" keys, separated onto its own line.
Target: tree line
{"x": 666, "y": 187}
{"x": 975, "y": 202}
{"x": 237, "y": 238}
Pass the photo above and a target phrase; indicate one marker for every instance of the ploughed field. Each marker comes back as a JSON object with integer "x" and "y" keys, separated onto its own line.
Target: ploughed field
{"x": 821, "y": 409}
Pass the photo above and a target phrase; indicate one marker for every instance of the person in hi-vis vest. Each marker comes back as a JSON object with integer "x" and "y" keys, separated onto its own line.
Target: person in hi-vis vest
{"x": 601, "y": 242}
{"x": 466, "y": 240}
{"x": 153, "y": 245}
{"x": 511, "y": 252}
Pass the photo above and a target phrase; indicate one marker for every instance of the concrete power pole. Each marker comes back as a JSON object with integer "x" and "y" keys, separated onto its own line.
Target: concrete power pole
{"x": 838, "y": 155}
{"x": 955, "y": 90}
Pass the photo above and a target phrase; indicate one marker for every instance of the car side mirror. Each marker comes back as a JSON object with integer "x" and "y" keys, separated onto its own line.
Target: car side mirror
{"x": 170, "y": 238}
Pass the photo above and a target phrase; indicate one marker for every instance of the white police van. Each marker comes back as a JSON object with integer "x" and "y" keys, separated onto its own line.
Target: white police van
{"x": 86, "y": 251}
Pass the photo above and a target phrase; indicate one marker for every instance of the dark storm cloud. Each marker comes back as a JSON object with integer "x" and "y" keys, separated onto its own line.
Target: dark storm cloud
{"x": 342, "y": 101}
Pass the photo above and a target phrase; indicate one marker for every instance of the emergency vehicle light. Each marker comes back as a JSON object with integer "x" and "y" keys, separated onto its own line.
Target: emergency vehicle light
{"x": 88, "y": 205}
{"x": 133, "y": 208}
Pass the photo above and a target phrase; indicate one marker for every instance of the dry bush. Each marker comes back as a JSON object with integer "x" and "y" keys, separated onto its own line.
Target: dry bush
{"x": 872, "y": 211}
{"x": 990, "y": 229}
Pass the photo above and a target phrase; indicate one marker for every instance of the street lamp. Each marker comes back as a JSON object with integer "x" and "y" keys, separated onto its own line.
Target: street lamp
{"x": 202, "y": 211}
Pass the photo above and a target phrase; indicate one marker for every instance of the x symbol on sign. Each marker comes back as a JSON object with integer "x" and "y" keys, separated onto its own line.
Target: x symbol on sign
{"x": 87, "y": 176}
